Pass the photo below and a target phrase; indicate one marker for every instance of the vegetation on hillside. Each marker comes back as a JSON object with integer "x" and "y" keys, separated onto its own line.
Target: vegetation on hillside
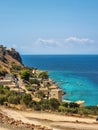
{"x": 12, "y": 97}
{"x": 10, "y": 59}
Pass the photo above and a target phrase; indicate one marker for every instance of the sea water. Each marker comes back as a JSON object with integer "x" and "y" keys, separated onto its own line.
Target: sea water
{"x": 77, "y": 75}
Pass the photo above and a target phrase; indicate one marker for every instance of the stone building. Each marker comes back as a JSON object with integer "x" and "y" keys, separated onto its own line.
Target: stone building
{"x": 56, "y": 93}
{"x": 80, "y": 103}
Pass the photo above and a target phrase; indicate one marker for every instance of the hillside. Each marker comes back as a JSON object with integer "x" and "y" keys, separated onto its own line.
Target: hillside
{"x": 9, "y": 57}
{"x": 25, "y": 80}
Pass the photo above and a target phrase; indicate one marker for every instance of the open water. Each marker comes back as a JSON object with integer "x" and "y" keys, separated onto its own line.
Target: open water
{"x": 77, "y": 75}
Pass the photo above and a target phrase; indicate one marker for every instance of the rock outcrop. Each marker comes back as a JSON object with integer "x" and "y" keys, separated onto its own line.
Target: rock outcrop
{"x": 9, "y": 56}
{"x": 14, "y": 54}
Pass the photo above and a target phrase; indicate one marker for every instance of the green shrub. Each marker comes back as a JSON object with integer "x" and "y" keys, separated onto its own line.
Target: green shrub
{"x": 37, "y": 106}
{"x": 65, "y": 104}
{"x": 61, "y": 109}
{"x": 45, "y": 105}
{"x": 31, "y": 104}
{"x": 14, "y": 99}
{"x": 2, "y": 99}
{"x": 25, "y": 74}
{"x": 54, "y": 104}
{"x": 26, "y": 98}
{"x": 73, "y": 105}
{"x": 43, "y": 75}
{"x": 40, "y": 95}
{"x": 4, "y": 90}
{"x": 34, "y": 81}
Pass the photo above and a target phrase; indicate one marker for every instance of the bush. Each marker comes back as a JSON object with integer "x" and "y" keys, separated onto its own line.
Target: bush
{"x": 73, "y": 105}
{"x": 40, "y": 95}
{"x": 4, "y": 90}
{"x": 54, "y": 104}
{"x": 43, "y": 75}
{"x": 2, "y": 99}
{"x": 30, "y": 89}
{"x": 25, "y": 74}
{"x": 37, "y": 106}
{"x": 31, "y": 104}
{"x": 3, "y": 72}
{"x": 65, "y": 104}
{"x": 12, "y": 93}
{"x": 61, "y": 109}
{"x": 14, "y": 99}
{"x": 83, "y": 111}
{"x": 26, "y": 98}
{"x": 45, "y": 105}
{"x": 34, "y": 81}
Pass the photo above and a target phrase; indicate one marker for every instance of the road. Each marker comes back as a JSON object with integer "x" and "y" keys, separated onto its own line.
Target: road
{"x": 57, "y": 122}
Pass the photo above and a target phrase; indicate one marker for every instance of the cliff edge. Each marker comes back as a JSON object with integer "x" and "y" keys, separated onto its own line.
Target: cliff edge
{"x": 8, "y": 57}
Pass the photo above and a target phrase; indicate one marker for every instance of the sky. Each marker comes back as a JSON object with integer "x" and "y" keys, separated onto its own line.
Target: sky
{"x": 50, "y": 26}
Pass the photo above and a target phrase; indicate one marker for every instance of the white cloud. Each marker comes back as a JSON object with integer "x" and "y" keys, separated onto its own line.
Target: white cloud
{"x": 46, "y": 42}
{"x": 67, "y": 42}
{"x": 78, "y": 40}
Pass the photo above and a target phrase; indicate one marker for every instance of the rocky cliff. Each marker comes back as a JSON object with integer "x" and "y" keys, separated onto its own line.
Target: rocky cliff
{"x": 14, "y": 54}
{"x": 8, "y": 57}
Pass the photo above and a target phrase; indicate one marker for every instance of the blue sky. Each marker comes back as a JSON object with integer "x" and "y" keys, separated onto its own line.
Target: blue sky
{"x": 50, "y": 26}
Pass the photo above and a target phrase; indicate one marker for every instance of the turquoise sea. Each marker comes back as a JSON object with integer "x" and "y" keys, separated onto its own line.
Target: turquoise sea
{"x": 77, "y": 75}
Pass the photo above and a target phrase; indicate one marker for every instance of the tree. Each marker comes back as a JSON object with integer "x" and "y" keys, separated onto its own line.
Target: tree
{"x": 25, "y": 74}
{"x": 37, "y": 106}
{"x": 40, "y": 94}
{"x": 12, "y": 93}
{"x": 43, "y": 75}
{"x": 54, "y": 104}
{"x": 65, "y": 104}
{"x": 73, "y": 105}
{"x": 26, "y": 98}
{"x": 45, "y": 105}
{"x": 2, "y": 99}
{"x": 31, "y": 103}
{"x": 61, "y": 109}
{"x": 4, "y": 90}
{"x": 14, "y": 99}
{"x": 34, "y": 81}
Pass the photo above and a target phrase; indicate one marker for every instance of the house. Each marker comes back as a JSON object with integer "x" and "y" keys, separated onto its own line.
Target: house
{"x": 8, "y": 83}
{"x": 80, "y": 103}
{"x": 8, "y": 80}
{"x": 9, "y": 77}
{"x": 46, "y": 83}
{"x": 19, "y": 90}
{"x": 11, "y": 49}
{"x": 5, "y": 82}
{"x": 44, "y": 90}
{"x": 34, "y": 71}
{"x": 54, "y": 86}
{"x": 56, "y": 93}
{"x": 35, "y": 87}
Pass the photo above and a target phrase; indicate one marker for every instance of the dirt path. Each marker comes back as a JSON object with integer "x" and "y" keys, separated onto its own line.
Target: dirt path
{"x": 4, "y": 128}
{"x": 57, "y": 122}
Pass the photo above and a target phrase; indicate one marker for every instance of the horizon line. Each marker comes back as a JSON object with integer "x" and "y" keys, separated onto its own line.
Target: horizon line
{"x": 58, "y": 54}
